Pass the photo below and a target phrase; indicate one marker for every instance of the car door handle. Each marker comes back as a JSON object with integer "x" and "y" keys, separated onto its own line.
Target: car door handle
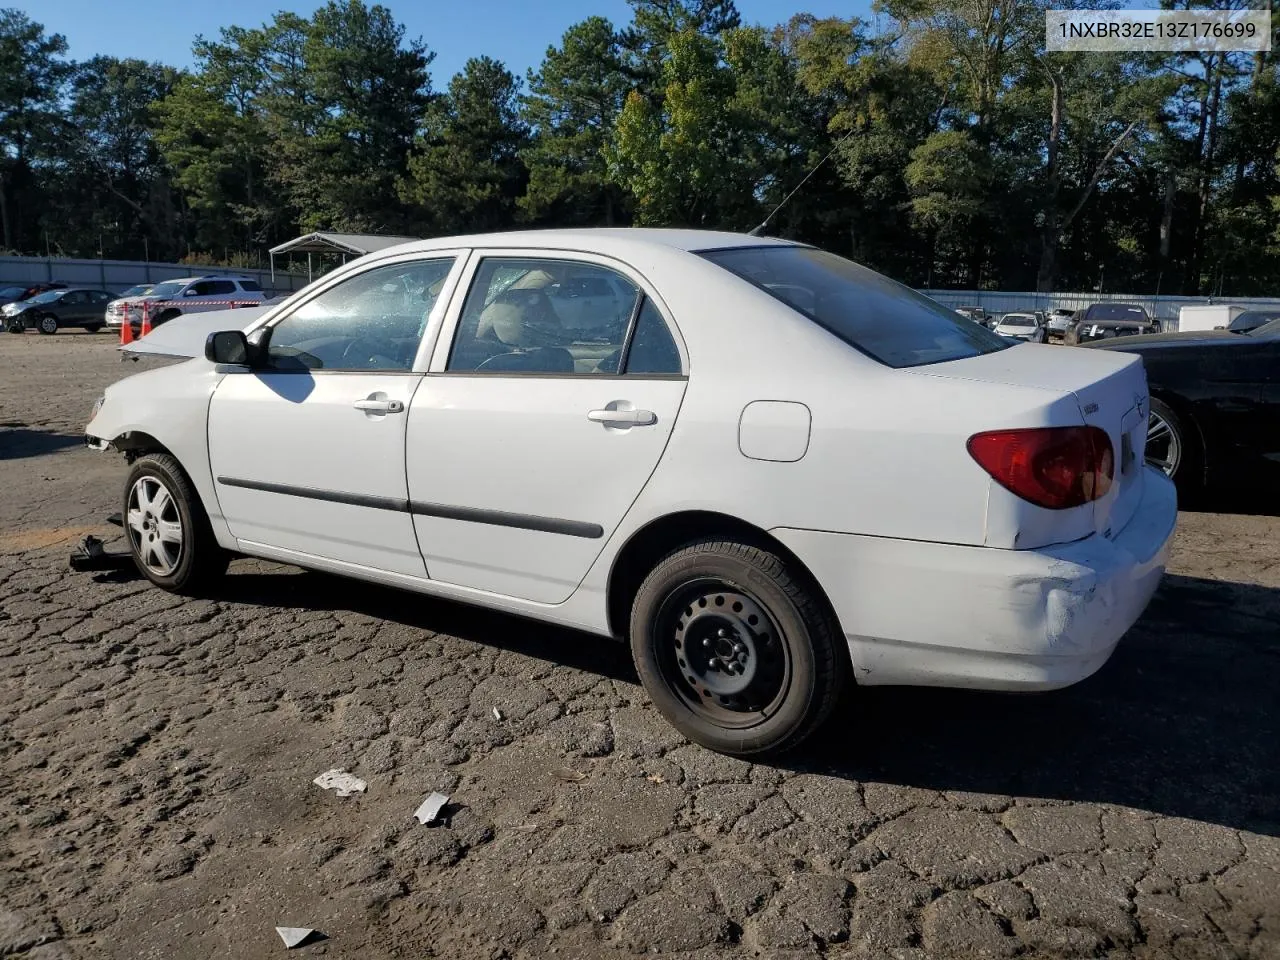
{"x": 379, "y": 406}
{"x": 634, "y": 418}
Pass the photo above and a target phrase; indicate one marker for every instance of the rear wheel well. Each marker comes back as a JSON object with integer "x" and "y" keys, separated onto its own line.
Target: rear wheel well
{"x": 660, "y": 537}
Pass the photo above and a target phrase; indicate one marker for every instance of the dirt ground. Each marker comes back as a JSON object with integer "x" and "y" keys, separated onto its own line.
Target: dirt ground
{"x": 156, "y": 759}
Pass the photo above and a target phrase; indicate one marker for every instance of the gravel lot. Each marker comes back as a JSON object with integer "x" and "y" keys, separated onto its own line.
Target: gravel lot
{"x": 157, "y": 758}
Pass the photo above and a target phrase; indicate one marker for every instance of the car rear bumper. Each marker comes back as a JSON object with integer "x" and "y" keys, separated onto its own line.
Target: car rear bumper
{"x": 932, "y": 614}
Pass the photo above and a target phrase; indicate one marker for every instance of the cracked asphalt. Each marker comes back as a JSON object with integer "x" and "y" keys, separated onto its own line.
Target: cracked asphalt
{"x": 157, "y": 757}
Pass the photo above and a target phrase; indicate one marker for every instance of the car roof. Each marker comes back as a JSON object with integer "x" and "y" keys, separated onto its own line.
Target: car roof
{"x": 605, "y": 240}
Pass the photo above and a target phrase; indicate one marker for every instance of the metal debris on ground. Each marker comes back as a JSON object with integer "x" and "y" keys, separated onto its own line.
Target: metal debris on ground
{"x": 90, "y": 555}
{"x": 341, "y": 782}
{"x": 570, "y": 776}
{"x": 656, "y": 778}
{"x": 294, "y": 936}
{"x": 497, "y": 714}
{"x": 431, "y": 807}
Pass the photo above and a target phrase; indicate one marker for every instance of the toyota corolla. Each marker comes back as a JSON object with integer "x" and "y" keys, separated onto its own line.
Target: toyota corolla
{"x": 775, "y": 473}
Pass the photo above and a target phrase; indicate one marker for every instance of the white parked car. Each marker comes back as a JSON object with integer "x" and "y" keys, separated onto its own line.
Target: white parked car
{"x": 1022, "y": 326}
{"x": 173, "y": 298}
{"x": 773, "y": 471}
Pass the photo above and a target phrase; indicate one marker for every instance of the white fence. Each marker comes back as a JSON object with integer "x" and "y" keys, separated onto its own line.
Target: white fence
{"x": 119, "y": 275}
{"x": 1164, "y": 309}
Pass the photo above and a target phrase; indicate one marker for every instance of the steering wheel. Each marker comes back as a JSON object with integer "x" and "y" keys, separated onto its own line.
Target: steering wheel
{"x": 367, "y": 348}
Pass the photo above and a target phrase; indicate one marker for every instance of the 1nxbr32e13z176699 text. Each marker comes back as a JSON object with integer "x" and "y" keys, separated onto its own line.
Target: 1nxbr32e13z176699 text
{"x": 1102, "y": 31}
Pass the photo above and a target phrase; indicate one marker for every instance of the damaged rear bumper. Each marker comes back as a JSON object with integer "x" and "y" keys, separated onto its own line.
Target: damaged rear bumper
{"x": 942, "y": 615}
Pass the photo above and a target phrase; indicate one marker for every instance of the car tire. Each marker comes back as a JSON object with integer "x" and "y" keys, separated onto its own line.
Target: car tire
{"x": 16, "y": 326}
{"x": 1177, "y": 450}
{"x": 775, "y": 663}
{"x": 47, "y": 324}
{"x": 92, "y": 327}
{"x": 158, "y": 494}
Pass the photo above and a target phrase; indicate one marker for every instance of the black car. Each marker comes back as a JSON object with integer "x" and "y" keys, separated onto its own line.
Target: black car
{"x": 25, "y": 291}
{"x": 1252, "y": 319}
{"x": 54, "y": 309}
{"x": 1215, "y": 404}
{"x": 1103, "y": 321}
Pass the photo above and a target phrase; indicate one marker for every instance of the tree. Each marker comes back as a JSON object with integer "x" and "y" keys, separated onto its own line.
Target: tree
{"x": 33, "y": 77}
{"x": 574, "y": 101}
{"x": 466, "y": 173}
{"x": 368, "y": 89}
{"x": 110, "y": 179}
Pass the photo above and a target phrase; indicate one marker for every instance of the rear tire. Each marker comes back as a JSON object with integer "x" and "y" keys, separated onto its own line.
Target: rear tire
{"x": 92, "y": 327}
{"x": 47, "y": 324}
{"x": 168, "y": 530}
{"x": 736, "y": 649}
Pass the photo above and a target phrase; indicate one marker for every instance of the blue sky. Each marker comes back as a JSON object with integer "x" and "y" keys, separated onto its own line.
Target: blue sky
{"x": 516, "y": 32}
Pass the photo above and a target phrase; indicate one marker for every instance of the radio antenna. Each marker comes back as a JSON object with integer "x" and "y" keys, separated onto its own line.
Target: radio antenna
{"x": 818, "y": 166}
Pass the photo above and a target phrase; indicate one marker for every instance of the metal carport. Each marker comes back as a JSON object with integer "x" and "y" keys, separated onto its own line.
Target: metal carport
{"x": 346, "y": 244}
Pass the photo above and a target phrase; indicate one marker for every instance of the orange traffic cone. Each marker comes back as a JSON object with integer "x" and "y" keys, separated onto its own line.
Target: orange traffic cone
{"x": 126, "y": 329}
{"x": 146, "y": 319}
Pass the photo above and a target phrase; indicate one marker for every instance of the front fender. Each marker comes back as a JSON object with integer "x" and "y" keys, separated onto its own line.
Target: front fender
{"x": 166, "y": 409}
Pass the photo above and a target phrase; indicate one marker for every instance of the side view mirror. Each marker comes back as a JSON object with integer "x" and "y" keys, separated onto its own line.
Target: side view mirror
{"x": 228, "y": 346}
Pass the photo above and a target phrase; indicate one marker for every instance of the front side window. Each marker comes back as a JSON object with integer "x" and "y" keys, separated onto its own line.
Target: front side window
{"x": 887, "y": 321}
{"x": 75, "y": 297}
{"x": 546, "y": 317}
{"x": 372, "y": 321}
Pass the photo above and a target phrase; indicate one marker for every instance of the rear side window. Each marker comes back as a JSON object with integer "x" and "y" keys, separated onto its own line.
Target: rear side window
{"x": 887, "y": 321}
{"x": 251, "y": 285}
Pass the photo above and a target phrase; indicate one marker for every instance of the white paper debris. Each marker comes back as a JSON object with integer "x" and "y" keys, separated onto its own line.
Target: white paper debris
{"x": 431, "y": 808}
{"x": 292, "y": 936}
{"x": 497, "y": 714}
{"x": 343, "y": 783}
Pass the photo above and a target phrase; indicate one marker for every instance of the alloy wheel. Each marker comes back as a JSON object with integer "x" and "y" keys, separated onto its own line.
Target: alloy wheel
{"x": 1164, "y": 448}
{"x": 155, "y": 526}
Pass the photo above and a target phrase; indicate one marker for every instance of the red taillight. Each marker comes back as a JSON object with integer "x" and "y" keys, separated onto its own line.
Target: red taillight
{"x": 1054, "y": 467}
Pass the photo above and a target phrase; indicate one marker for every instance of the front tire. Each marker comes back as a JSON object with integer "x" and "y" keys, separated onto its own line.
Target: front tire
{"x": 172, "y": 543}
{"x": 48, "y": 324}
{"x": 736, "y": 649}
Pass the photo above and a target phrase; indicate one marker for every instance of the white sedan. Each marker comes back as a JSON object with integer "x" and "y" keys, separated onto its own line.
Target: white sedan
{"x": 773, "y": 471}
{"x": 1022, "y": 326}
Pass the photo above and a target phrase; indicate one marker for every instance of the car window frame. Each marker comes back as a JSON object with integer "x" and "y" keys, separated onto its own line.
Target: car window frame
{"x": 439, "y": 364}
{"x": 426, "y": 344}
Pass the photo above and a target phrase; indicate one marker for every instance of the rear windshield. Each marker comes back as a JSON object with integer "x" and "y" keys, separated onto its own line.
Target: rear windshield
{"x": 885, "y": 320}
{"x": 1101, "y": 312}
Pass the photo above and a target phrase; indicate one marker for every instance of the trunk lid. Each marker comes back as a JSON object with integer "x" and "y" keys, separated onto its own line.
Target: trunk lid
{"x": 1111, "y": 395}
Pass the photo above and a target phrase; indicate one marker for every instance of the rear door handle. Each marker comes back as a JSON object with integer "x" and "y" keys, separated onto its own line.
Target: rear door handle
{"x": 371, "y": 405}
{"x": 632, "y": 418}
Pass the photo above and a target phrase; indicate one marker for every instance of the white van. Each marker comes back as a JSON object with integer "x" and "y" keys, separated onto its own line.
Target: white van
{"x": 1217, "y": 316}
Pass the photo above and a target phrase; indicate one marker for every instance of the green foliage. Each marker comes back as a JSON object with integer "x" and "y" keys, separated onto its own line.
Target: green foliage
{"x": 946, "y": 146}
{"x": 466, "y": 174}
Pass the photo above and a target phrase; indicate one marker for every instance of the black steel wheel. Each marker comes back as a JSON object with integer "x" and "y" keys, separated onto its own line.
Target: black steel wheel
{"x": 738, "y": 651}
